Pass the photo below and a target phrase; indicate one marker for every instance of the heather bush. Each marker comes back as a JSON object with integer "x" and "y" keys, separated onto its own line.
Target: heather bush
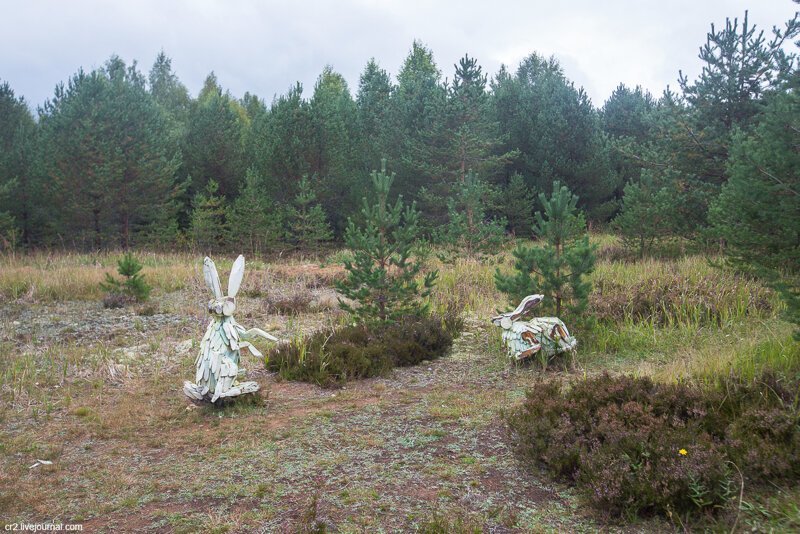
{"x": 636, "y": 447}
{"x": 763, "y": 434}
{"x": 331, "y": 357}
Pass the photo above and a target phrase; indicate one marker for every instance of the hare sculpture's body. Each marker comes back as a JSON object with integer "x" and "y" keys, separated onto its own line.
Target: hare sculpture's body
{"x": 217, "y": 364}
{"x": 542, "y": 336}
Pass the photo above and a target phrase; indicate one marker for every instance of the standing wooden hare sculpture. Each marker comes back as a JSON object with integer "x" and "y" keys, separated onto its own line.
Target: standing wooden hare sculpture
{"x": 217, "y": 364}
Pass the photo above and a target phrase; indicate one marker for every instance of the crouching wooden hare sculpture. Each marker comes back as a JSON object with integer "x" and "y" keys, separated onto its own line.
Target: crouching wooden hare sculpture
{"x": 542, "y": 336}
{"x": 217, "y": 364}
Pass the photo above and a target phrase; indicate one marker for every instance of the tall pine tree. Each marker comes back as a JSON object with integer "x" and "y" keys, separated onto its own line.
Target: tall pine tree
{"x": 372, "y": 101}
{"x": 213, "y": 147}
{"x": 334, "y": 161}
{"x": 209, "y": 224}
{"x": 517, "y": 203}
{"x": 557, "y": 132}
{"x": 21, "y": 190}
{"x": 254, "y": 221}
{"x": 308, "y": 224}
{"x": 416, "y": 105}
{"x": 281, "y": 142}
{"x": 757, "y": 214}
{"x": 106, "y": 147}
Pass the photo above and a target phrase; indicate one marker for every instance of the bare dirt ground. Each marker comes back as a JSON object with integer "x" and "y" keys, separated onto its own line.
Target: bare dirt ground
{"x": 100, "y": 397}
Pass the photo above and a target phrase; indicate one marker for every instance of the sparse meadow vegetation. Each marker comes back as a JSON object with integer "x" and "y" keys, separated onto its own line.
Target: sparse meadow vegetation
{"x": 679, "y": 322}
{"x": 65, "y": 276}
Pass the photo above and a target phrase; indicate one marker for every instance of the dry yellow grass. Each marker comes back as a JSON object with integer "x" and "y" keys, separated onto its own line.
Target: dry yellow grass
{"x": 467, "y": 284}
{"x": 52, "y": 277}
{"x": 696, "y": 307}
{"x": 109, "y": 423}
{"x": 761, "y": 346}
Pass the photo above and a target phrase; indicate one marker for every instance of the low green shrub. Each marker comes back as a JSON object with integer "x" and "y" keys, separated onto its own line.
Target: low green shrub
{"x": 331, "y": 357}
{"x": 636, "y": 447}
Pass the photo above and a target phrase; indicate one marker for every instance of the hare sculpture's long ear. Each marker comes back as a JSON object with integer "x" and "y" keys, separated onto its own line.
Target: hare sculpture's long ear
{"x": 527, "y": 304}
{"x": 237, "y": 272}
{"x": 212, "y": 278}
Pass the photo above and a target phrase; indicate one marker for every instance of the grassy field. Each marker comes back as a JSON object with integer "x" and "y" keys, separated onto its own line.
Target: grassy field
{"x": 98, "y": 393}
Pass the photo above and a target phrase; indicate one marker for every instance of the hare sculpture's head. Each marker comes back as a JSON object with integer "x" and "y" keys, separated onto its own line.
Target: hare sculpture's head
{"x": 506, "y": 320}
{"x": 223, "y": 305}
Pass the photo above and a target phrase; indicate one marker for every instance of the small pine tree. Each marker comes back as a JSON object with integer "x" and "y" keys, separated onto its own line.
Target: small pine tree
{"x": 308, "y": 224}
{"x": 648, "y": 213}
{"x": 9, "y": 233}
{"x": 558, "y": 268}
{"x": 253, "y": 220}
{"x": 133, "y": 285}
{"x": 382, "y": 278}
{"x": 8, "y": 227}
{"x": 517, "y": 202}
{"x": 208, "y": 225}
{"x": 468, "y": 229}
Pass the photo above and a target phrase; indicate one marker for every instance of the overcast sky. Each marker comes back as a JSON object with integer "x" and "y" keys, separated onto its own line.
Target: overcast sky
{"x": 264, "y": 47}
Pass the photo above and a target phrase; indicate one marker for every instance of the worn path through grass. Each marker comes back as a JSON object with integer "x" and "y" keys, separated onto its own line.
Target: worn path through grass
{"x": 387, "y": 454}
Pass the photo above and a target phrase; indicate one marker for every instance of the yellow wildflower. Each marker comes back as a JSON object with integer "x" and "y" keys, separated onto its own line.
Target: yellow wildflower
{"x": 683, "y": 452}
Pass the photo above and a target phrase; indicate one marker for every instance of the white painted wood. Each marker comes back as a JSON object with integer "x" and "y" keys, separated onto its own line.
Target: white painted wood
{"x": 212, "y": 277}
{"x": 523, "y": 339}
{"x": 237, "y": 273}
{"x": 217, "y": 363}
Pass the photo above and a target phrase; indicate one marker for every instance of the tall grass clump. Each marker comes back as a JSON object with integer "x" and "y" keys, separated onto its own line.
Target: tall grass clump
{"x": 466, "y": 284}
{"x": 685, "y": 292}
{"x": 756, "y": 348}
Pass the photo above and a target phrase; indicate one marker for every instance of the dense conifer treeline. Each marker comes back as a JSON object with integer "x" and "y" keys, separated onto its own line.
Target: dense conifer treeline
{"x": 117, "y": 158}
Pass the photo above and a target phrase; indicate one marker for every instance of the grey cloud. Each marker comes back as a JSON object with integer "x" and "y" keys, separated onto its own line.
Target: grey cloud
{"x": 264, "y": 47}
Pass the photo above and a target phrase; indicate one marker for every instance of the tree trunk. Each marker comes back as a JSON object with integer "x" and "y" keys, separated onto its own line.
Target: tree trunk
{"x": 96, "y": 220}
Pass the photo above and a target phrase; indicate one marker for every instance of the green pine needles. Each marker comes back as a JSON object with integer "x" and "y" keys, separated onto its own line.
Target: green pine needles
{"x": 558, "y": 268}
{"x": 382, "y": 276}
{"x": 757, "y": 213}
{"x": 209, "y": 225}
{"x": 132, "y": 288}
{"x": 254, "y": 220}
{"x": 649, "y": 212}
{"x": 516, "y": 205}
{"x": 308, "y": 223}
{"x": 468, "y": 229}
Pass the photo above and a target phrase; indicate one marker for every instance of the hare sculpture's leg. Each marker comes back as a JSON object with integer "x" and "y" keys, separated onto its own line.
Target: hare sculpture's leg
{"x": 193, "y": 391}
{"x": 241, "y": 389}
